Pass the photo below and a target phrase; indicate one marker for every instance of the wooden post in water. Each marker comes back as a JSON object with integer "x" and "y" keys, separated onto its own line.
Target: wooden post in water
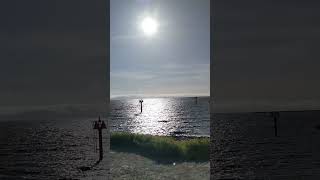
{"x": 276, "y": 116}
{"x": 99, "y": 125}
{"x": 141, "y": 101}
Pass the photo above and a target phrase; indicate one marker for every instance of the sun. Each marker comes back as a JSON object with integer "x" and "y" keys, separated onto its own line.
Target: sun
{"x": 149, "y": 26}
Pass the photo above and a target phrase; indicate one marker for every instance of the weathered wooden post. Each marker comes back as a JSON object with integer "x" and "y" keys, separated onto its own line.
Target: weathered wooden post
{"x": 99, "y": 125}
{"x": 276, "y": 116}
{"x": 141, "y": 101}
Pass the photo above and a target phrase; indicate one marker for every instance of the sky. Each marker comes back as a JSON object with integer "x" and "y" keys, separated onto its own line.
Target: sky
{"x": 53, "y": 52}
{"x": 175, "y": 61}
{"x": 266, "y": 52}
{"x": 56, "y": 51}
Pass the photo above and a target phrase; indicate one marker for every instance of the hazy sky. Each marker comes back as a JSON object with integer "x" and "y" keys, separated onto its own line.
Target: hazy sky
{"x": 173, "y": 61}
{"x": 53, "y": 52}
{"x": 266, "y": 51}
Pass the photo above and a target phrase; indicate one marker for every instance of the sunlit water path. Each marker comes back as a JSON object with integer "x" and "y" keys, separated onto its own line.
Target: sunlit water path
{"x": 162, "y": 116}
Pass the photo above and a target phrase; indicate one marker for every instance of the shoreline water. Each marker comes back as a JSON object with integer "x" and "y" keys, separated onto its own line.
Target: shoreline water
{"x": 161, "y": 148}
{"x": 243, "y": 147}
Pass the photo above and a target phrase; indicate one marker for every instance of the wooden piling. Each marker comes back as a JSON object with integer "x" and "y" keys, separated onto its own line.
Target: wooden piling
{"x": 141, "y": 101}
{"x": 275, "y": 121}
{"x": 99, "y": 125}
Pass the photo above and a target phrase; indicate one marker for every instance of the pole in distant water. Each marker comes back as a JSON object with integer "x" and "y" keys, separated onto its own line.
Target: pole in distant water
{"x": 141, "y": 101}
{"x": 99, "y": 125}
{"x": 276, "y": 116}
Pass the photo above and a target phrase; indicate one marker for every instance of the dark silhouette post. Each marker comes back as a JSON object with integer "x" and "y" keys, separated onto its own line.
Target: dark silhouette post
{"x": 141, "y": 101}
{"x": 276, "y": 116}
{"x": 99, "y": 125}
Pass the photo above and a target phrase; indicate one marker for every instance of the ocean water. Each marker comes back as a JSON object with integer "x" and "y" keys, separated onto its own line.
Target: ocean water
{"x": 49, "y": 146}
{"x": 56, "y": 143}
{"x": 46, "y": 149}
{"x": 184, "y": 116}
{"x": 244, "y": 146}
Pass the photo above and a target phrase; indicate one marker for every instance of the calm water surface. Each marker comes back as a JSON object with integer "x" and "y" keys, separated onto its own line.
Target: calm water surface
{"x": 53, "y": 147}
{"x": 243, "y": 145}
{"x": 162, "y": 116}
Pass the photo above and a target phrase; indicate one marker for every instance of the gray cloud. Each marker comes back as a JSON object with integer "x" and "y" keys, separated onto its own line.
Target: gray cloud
{"x": 163, "y": 79}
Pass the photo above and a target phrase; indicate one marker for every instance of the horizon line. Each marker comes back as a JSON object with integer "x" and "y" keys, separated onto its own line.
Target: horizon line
{"x": 158, "y": 96}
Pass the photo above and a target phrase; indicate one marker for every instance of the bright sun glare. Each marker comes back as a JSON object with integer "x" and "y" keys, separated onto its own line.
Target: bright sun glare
{"x": 149, "y": 26}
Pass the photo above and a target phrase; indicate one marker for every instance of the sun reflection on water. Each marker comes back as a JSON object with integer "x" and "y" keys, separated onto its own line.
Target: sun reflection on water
{"x": 162, "y": 116}
{"x": 155, "y": 117}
